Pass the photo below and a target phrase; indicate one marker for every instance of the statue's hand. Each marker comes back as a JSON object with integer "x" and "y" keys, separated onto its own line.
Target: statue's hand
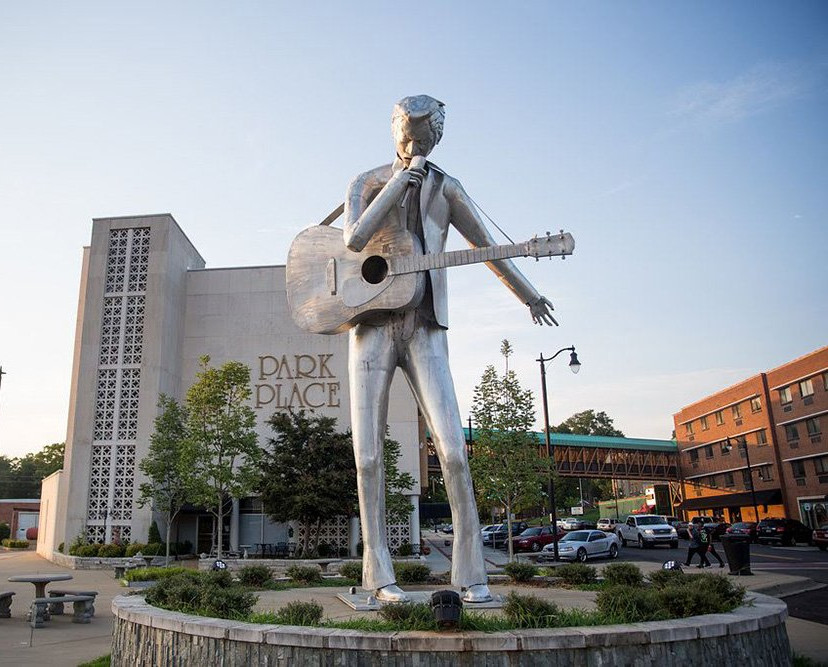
{"x": 541, "y": 310}
{"x": 416, "y": 171}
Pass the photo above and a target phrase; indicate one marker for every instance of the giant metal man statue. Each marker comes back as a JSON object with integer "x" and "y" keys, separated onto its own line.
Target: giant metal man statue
{"x": 414, "y": 194}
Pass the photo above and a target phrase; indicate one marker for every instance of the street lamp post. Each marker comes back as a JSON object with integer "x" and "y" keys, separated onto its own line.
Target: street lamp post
{"x": 575, "y": 366}
{"x": 728, "y": 446}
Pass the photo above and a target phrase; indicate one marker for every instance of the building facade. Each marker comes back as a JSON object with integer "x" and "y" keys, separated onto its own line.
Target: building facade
{"x": 756, "y": 449}
{"x": 148, "y": 310}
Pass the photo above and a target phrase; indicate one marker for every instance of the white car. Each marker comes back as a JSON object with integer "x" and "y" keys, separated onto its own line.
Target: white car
{"x": 647, "y": 530}
{"x": 488, "y": 529}
{"x": 581, "y": 545}
{"x": 571, "y": 523}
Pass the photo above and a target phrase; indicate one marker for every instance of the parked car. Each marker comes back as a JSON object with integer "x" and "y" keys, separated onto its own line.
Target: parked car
{"x": 581, "y": 545}
{"x": 716, "y": 530}
{"x": 820, "y": 537}
{"x": 488, "y": 529}
{"x": 499, "y": 536}
{"x": 683, "y": 529}
{"x": 608, "y": 525}
{"x": 788, "y": 532}
{"x": 743, "y": 528}
{"x": 534, "y": 539}
{"x": 647, "y": 530}
{"x": 576, "y": 523}
{"x": 672, "y": 520}
{"x": 448, "y": 529}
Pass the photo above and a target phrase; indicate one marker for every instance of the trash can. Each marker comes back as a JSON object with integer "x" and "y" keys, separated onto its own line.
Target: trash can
{"x": 737, "y": 551}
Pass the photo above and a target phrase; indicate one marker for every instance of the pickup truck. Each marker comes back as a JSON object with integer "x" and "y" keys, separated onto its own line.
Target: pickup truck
{"x": 647, "y": 530}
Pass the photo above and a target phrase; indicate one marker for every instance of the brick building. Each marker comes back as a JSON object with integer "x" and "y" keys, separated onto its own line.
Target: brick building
{"x": 757, "y": 447}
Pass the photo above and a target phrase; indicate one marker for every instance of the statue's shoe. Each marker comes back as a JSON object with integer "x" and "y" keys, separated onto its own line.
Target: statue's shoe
{"x": 391, "y": 593}
{"x": 477, "y": 593}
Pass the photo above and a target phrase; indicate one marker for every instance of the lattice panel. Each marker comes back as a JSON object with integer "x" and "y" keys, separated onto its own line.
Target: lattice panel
{"x": 335, "y": 533}
{"x": 112, "y": 473}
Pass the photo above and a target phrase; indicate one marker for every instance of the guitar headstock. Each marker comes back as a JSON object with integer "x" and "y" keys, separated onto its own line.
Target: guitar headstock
{"x": 551, "y": 245}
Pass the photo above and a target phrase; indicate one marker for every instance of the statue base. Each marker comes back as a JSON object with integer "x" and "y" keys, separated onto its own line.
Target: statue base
{"x": 367, "y": 602}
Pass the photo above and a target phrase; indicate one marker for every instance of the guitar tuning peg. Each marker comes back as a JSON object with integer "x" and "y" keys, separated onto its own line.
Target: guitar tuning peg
{"x": 548, "y": 234}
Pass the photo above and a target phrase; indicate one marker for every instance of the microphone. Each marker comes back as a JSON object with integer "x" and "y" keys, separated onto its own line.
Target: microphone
{"x": 417, "y": 162}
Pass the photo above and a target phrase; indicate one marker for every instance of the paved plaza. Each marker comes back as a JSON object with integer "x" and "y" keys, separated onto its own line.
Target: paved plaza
{"x": 63, "y": 643}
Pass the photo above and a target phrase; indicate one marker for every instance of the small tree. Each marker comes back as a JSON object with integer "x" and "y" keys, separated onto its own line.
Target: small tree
{"x": 307, "y": 471}
{"x": 397, "y": 505}
{"x": 221, "y": 450}
{"x": 506, "y": 466}
{"x": 589, "y": 422}
{"x": 165, "y": 465}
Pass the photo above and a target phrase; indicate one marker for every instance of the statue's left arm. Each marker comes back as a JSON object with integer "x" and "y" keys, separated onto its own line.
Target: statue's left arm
{"x": 467, "y": 220}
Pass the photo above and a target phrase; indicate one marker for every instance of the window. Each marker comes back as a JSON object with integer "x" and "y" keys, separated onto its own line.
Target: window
{"x": 825, "y": 380}
{"x": 755, "y": 404}
{"x": 728, "y": 479}
{"x": 697, "y": 489}
{"x": 725, "y": 448}
{"x": 688, "y": 428}
{"x": 703, "y": 422}
{"x": 765, "y": 473}
{"x": 746, "y": 478}
{"x": 785, "y": 395}
{"x": 798, "y": 468}
{"x": 719, "y": 418}
{"x": 713, "y": 481}
{"x": 821, "y": 465}
{"x": 694, "y": 455}
{"x": 708, "y": 451}
{"x": 791, "y": 432}
{"x": 812, "y": 425}
{"x": 737, "y": 411}
{"x": 806, "y": 388}
{"x": 761, "y": 437}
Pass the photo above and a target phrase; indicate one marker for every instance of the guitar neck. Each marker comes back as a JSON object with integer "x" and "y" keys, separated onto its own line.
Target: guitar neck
{"x": 442, "y": 260}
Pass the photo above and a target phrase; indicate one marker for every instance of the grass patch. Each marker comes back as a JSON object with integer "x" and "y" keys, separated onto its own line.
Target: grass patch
{"x": 103, "y": 661}
{"x": 322, "y": 583}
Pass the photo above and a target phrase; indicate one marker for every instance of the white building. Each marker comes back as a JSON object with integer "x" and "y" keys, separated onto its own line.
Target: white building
{"x": 148, "y": 309}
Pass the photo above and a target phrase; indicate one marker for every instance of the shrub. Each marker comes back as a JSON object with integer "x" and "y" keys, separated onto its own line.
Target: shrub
{"x": 518, "y": 571}
{"x": 623, "y": 573}
{"x": 306, "y": 574}
{"x": 154, "y": 536}
{"x": 60, "y": 547}
{"x": 77, "y": 543}
{"x": 352, "y": 570}
{"x": 110, "y": 551}
{"x": 15, "y": 544}
{"x": 300, "y": 613}
{"x": 409, "y": 616}
{"x": 154, "y": 549}
{"x": 204, "y": 593}
{"x": 576, "y": 573}
{"x": 5, "y": 531}
{"x": 625, "y": 604}
{"x": 226, "y": 602}
{"x": 133, "y": 549}
{"x": 528, "y": 611}
{"x": 255, "y": 575}
{"x": 157, "y": 573}
{"x": 405, "y": 550}
{"x": 664, "y": 578}
{"x": 89, "y": 550}
{"x": 411, "y": 573}
{"x": 324, "y": 550}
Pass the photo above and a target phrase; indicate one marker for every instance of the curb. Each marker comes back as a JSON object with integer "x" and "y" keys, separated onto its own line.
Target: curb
{"x": 790, "y": 588}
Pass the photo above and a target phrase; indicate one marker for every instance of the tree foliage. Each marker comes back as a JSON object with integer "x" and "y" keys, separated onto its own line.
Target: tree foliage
{"x": 21, "y": 477}
{"x": 589, "y": 422}
{"x": 221, "y": 446}
{"x": 307, "y": 471}
{"x": 397, "y": 505}
{"x": 165, "y": 465}
{"x": 506, "y": 467}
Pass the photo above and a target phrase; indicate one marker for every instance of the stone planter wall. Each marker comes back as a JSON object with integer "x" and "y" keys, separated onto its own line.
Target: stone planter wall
{"x": 97, "y": 563}
{"x": 148, "y": 636}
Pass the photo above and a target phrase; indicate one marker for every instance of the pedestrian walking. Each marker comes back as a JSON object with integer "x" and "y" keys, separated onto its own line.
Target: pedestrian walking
{"x": 696, "y": 546}
{"x": 710, "y": 548}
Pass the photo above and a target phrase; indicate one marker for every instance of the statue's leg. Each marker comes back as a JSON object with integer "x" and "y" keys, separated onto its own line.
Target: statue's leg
{"x": 426, "y": 367}
{"x": 371, "y": 365}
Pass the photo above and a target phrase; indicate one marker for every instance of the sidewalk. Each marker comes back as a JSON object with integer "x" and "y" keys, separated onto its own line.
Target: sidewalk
{"x": 65, "y": 644}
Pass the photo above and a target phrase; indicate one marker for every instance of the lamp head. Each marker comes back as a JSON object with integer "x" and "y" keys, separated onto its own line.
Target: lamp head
{"x": 574, "y": 364}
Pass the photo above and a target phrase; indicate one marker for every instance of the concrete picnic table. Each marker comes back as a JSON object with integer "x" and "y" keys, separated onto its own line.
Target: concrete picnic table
{"x": 40, "y": 581}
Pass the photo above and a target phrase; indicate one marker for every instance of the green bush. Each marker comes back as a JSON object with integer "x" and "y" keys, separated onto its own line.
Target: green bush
{"x": 405, "y": 550}
{"x": 156, "y": 573}
{"x": 154, "y": 549}
{"x": 15, "y": 544}
{"x": 110, "y": 551}
{"x": 5, "y": 531}
{"x": 89, "y": 550}
{"x": 324, "y": 550}
{"x": 133, "y": 549}
{"x": 299, "y": 613}
{"x": 528, "y": 611}
{"x": 664, "y": 578}
{"x": 409, "y": 616}
{"x": 154, "y": 536}
{"x": 625, "y": 604}
{"x": 352, "y": 570}
{"x": 307, "y": 574}
{"x": 518, "y": 571}
{"x": 204, "y": 593}
{"x": 255, "y": 575}
{"x": 576, "y": 573}
{"x": 60, "y": 547}
{"x": 623, "y": 573}
{"x": 77, "y": 543}
{"x": 411, "y": 573}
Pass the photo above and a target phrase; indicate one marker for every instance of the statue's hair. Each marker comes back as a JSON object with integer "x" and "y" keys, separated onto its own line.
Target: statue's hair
{"x": 418, "y": 108}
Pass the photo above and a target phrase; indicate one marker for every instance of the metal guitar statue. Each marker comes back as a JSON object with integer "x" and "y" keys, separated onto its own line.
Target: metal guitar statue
{"x": 409, "y": 194}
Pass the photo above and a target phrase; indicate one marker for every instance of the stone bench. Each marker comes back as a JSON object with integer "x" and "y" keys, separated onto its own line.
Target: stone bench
{"x": 39, "y": 612}
{"x": 56, "y": 606}
{"x": 121, "y": 570}
{"x": 5, "y": 603}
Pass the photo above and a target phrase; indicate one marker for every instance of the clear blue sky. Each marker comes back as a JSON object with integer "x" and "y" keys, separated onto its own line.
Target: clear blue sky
{"x": 683, "y": 144}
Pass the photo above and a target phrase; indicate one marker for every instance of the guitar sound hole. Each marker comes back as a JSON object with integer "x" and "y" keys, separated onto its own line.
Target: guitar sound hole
{"x": 374, "y": 269}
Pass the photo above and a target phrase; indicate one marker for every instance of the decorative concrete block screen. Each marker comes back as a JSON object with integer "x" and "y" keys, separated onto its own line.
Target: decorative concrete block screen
{"x": 112, "y": 474}
{"x": 335, "y": 533}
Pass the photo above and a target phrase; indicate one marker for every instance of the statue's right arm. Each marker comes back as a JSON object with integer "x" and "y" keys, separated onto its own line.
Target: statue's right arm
{"x": 370, "y": 197}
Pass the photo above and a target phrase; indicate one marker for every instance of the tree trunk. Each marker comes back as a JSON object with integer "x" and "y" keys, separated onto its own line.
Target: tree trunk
{"x": 220, "y": 527}
{"x": 509, "y": 531}
{"x": 318, "y": 532}
{"x": 306, "y": 539}
{"x": 169, "y": 525}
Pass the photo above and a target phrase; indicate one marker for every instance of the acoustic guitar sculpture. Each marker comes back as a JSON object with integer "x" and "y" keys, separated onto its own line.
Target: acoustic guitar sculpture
{"x": 331, "y": 288}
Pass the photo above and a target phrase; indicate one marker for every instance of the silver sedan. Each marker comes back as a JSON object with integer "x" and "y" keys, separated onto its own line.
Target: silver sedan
{"x": 582, "y": 545}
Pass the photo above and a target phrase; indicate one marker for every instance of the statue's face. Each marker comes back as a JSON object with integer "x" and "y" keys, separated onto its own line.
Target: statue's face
{"x": 413, "y": 138}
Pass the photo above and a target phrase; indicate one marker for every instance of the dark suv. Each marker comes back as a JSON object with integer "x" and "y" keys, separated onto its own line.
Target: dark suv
{"x": 499, "y": 536}
{"x": 789, "y": 532}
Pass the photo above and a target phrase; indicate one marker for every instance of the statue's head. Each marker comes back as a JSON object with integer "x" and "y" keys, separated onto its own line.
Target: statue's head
{"x": 417, "y": 126}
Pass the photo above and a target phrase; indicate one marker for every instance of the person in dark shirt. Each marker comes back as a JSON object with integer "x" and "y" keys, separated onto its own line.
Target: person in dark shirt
{"x": 697, "y": 546}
